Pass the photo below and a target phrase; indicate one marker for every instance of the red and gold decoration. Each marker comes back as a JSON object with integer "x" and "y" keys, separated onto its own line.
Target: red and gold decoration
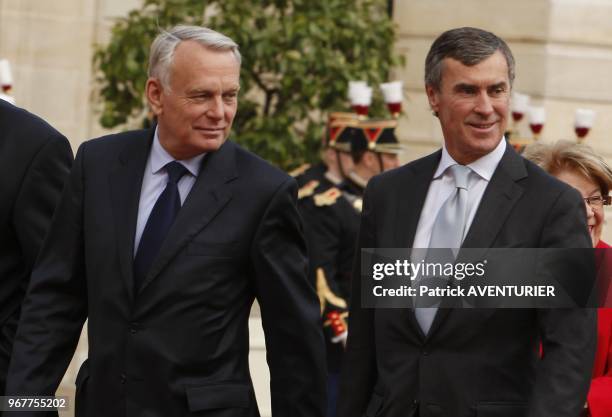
{"x": 336, "y": 320}
{"x": 337, "y": 123}
{"x": 328, "y": 197}
{"x": 377, "y": 136}
{"x": 334, "y": 310}
{"x": 308, "y": 189}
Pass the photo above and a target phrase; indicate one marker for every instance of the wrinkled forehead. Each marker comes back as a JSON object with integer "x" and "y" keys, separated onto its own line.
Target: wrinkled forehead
{"x": 196, "y": 62}
{"x": 490, "y": 71}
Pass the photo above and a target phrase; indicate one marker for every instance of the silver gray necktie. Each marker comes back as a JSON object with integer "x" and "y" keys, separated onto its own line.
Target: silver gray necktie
{"x": 448, "y": 231}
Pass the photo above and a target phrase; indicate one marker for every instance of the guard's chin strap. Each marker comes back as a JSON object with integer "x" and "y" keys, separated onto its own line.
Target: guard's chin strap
{"x": 380, "y": 162}
{"x": 340, "y": 167}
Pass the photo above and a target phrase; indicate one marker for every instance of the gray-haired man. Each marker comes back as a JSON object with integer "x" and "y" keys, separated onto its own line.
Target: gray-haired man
{"x": 163, "y": 240}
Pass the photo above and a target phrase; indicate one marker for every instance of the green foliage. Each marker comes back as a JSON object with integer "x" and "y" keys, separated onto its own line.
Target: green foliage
{"x": 298, "y": 56}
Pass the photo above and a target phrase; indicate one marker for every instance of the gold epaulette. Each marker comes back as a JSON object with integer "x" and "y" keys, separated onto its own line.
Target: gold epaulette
{"x": 308, "y": 189}
{"x": 299, "y": 170}
{"x": 327, "y": 198}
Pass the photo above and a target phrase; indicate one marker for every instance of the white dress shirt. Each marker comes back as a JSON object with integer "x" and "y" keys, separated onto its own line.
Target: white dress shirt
{"x": 443, "y": 185}
{"x": 155, "y": 180}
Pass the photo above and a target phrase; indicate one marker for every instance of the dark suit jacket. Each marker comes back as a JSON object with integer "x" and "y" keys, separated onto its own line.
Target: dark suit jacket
{"x": 472, "y": 362}
{"x": 34, "y": 162}
{"x": 179, "y": 345}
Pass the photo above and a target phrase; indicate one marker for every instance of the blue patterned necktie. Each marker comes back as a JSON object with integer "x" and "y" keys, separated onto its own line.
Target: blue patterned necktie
{"x": 159, "y": 222}
{"x": 447, "y": 233}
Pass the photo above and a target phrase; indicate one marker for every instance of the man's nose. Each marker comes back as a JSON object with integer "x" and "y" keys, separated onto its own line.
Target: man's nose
{"x": 215, "y": 109}
{"x": 483, "y": 104}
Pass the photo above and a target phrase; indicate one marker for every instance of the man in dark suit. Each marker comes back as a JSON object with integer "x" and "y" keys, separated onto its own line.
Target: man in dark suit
{"x": 163, "y": 240}
{"x": 34, "y": 162}
{"x": 468, "y": 362}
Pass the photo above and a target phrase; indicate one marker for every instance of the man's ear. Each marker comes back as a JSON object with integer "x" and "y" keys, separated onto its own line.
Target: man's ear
{"x": 329, "y": 155}
{"x": 154, "y": 92}
{"x": 432, "y": 96}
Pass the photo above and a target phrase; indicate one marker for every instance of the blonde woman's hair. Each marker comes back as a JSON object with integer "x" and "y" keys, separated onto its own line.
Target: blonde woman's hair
{"x": 565, "y": 155}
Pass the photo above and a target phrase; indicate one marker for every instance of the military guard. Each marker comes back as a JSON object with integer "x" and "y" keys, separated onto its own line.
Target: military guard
{"x": 332, "y": 226}
{"x": 336, "y": 157}
{"x": 341, "y": 128}
{"x": 375, "y": 150}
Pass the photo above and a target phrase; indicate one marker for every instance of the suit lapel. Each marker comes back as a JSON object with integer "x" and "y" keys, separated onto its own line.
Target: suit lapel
{"x": 209, "y": 195}
{"x": 125, "y": 184}
{"x": 409, "y": 209}
{"x": 497, "y": 203}
{"x": 409, "y": 213}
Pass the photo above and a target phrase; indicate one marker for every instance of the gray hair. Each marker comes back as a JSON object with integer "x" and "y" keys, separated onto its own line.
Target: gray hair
{"x": 470, "y": 46}
{"x": 163, "y": 47}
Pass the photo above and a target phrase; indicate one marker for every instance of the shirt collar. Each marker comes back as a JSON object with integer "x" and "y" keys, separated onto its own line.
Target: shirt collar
{"x": 357, "y": 179}
{"x": 333, "y": 178}
{"x": 484, "y": 166}
{"x": 160, "y": 157}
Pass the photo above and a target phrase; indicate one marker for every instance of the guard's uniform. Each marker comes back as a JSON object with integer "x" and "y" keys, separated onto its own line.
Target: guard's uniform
{"x": 340, "y": 133}
{"x": 307, "y": 173}
{"x": 334, "y": 236}
{"x": 333, "y": 223}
